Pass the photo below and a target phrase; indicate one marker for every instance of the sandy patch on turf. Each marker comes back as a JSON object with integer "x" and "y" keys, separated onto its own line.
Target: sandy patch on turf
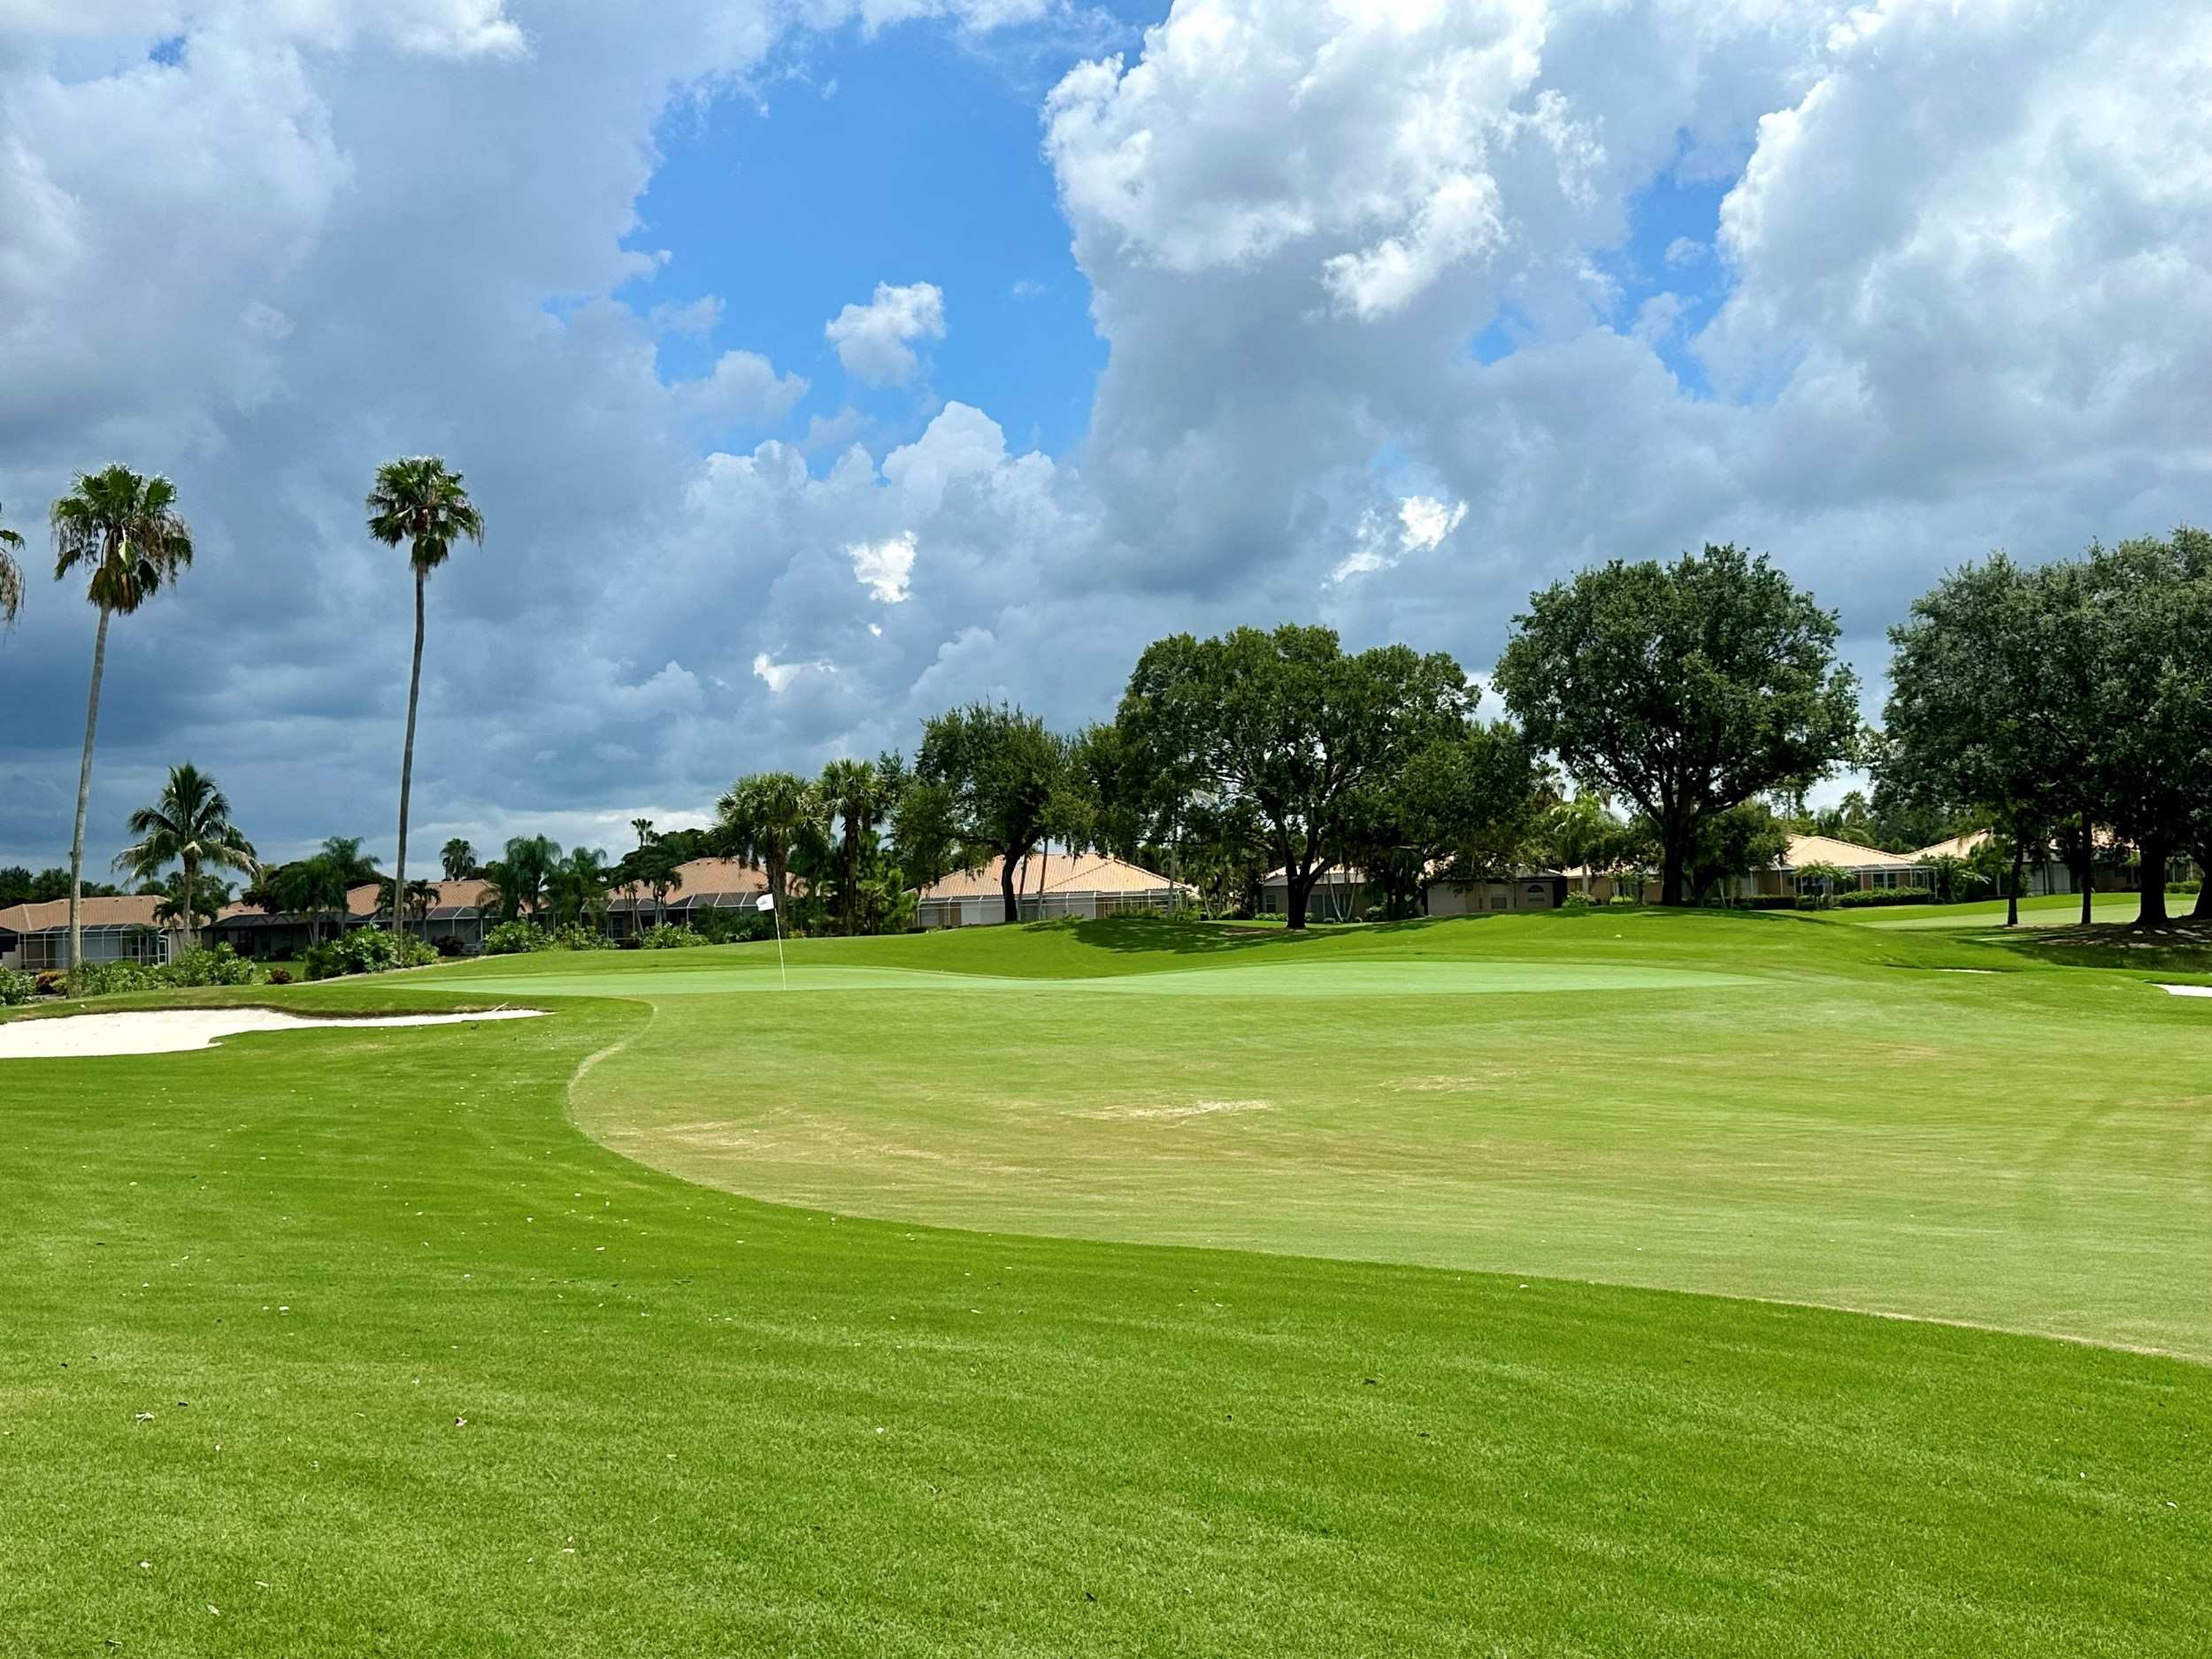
{"x": 175, "y": 1030}
{"x": 2186, "y": 990}
{"x": 1452, "y": 1083}
{"x": 1195, "y": 1108}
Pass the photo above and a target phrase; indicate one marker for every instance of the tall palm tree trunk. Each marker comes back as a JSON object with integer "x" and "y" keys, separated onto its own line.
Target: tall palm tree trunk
{"x": 192, "y": 902}
{"x": 407, "y": 768}
{"x": 84, "y": 795}
{"x": 852, "y": 880}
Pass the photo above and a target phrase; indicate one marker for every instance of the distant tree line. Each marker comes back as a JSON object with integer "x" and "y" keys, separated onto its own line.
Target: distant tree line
{"x": 1666, "y": 720}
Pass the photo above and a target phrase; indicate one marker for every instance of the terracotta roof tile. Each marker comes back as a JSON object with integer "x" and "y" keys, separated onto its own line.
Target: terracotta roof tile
{"x": 1060, "y": 872}
{"x": 132, "y": 910}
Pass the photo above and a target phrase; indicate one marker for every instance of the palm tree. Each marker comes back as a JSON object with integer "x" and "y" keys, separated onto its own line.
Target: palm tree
{"x": 181, "y": 904}
{"x": 458, "y": 858}
{"x": 1577, "y": 832}
{"x": 417, "y": 501}
{"x": 766, "y": 815}
{"x": 644, "y": 829}
{"x": 334, "y": 872}
{"x": 189, "y": 825}
{"x": 422, "y": 898}
{"x": 11, "y": 578}
{"x": 577, "y": 883}
{"x": 123, "y": 531}
{"x": 852, "y": 793}
{"x": 517, "y": 880}
{"x": 656, "y": 867}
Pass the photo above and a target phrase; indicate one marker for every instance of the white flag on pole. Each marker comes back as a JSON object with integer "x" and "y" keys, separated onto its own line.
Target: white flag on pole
{"x": 765, "y": 902}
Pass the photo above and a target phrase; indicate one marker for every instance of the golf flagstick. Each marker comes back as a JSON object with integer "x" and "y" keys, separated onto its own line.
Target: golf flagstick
{"x": 767, "y": 901}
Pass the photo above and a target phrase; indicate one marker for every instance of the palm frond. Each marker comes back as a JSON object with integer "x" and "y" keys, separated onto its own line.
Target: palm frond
{"x": 123, "y": 529}
{"x": 418, "y": 500}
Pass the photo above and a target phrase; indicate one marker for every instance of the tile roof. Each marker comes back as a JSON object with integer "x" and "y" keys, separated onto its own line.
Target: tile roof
{"x": 1826, "y": 849}
{"x": 133, "y": 910}
{"x": 1061, "y": 872}
{"x": 1957, "y": 847}
{"x": 705, "y": 884}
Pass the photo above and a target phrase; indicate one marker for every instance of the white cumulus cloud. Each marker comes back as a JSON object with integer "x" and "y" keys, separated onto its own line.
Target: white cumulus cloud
{"x": 781, "y": 677}
{"x": 875, "y": 342}
{"x": 885, "y": 568}
{"x": 1420, "y": 526}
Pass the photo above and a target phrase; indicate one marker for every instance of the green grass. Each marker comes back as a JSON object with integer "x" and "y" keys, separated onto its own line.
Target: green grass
{"x": 774, "y": 1429}
{"x": 2055, "y": 910}
{"x": 1739, "y": 1105}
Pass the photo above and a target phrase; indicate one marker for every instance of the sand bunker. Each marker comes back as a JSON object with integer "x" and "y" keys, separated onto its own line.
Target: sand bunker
{"x": 2186, "y": 990}
{"x": 172, "y": 1030}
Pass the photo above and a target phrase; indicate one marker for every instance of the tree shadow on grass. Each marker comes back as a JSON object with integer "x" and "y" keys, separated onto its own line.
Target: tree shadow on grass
{"x": 1152, "y": 935}
{"x": 2181, "y": 946}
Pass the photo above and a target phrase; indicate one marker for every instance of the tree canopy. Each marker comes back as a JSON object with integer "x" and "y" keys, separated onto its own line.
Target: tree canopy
{"x": 2064, "y": 701}
{"x": 766, "y": 818}
{"x": 1286, "y": 732}
{"x": 1684, "y": 690}
{"x": 189, "y": 825}
{"x": 1001, "y": 785}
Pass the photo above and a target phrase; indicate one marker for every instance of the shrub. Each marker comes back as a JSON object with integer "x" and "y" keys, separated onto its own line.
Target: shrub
{"x": 220, "y": 965}
{"x": 516, "y": 939}
{"x": 52, "y": 982}
{"x": 17, "y": 987}
{"x": 1864, "y": 898}
{"x": 109, "y": 979}
{"x": 2191, "y": 888}
{"x": 366, "y": 950}
{"x": 575, "y": 936}
{"x": 733, "y": 927}
{"x": 449, "y": 945}
{"x": 667, "y": 938}
{"x": 279, "y": 976}
{"x": 1577, "y": 902}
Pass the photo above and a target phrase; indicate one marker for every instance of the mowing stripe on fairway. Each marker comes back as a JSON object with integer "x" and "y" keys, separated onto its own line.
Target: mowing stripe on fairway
{"x": 1291, "y": 979}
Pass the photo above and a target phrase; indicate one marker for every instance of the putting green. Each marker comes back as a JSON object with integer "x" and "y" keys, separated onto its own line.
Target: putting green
{"x": 1761, "y": 1106}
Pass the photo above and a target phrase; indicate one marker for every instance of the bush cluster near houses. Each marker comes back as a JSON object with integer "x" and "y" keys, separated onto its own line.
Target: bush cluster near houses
{"x": 218, "y": 964}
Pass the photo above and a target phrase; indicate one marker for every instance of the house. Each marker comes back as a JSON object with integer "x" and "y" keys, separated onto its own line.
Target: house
{"x": 1523, "y": 889}
{"x": 456, "y": 909}
{"x": 703, "y": 885}
{"x": 1862, "y": 866}
{"x": 36, "y": 936}
{"x": 2115, "y": 869}
{"x": 2043, "y": 872}
{"x": 1048, "y": 885}
{"x": 1340, "y": 895}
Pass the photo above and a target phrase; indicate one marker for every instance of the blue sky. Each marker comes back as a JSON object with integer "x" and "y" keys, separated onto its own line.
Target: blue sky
{"x": 907, "y": 155}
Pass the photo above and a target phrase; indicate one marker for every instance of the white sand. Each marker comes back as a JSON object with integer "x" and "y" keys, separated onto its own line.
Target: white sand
{"x": 2186, "y": 990}
{"x": 172, "y": 1030}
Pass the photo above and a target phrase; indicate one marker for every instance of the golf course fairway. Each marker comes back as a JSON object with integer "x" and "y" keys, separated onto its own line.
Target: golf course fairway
{"x": 446, "y": 1341}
